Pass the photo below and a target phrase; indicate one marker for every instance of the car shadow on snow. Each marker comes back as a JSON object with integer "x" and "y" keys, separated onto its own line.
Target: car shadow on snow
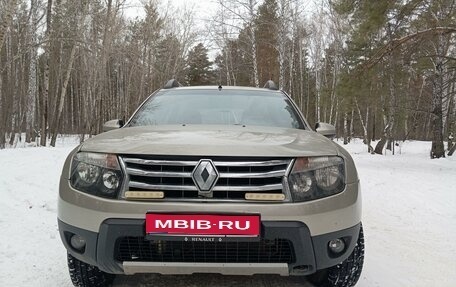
{"x": 212, "y": 280}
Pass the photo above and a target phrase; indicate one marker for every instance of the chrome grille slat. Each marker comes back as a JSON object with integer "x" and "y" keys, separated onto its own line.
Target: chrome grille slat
{"x": 159, "y": 162}
{"x": 249, "y": 188}
{"x": 136, "y": 171}
{"x": 253, "y": 175}
{"x": 252, "y": 163}
{"x": 162, "y": 187}
{"x": 236, "y": 177}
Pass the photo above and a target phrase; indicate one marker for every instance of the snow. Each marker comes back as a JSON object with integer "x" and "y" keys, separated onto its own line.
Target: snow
{"x": 409, "y": 217}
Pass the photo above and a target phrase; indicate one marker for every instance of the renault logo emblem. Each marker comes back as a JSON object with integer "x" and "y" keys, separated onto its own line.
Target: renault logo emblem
{"x": 205, "y": 176}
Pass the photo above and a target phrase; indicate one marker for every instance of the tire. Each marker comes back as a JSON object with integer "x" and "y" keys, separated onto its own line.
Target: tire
{"x": 86, "y": 275}
{"x": 346, "y": 273}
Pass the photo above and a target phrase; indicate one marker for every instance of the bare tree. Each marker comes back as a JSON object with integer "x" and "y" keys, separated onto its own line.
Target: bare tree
{"x": 32, "y": 73}
{"x": 241, "y": 16}
{"x": 317, "y": 46}
{"x": 45, "y": 90}
{"x": 6, "y": 17}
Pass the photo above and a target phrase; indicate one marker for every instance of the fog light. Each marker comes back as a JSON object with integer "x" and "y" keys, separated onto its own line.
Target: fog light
{"x": 337, "y": 245}
{"x": 77, "y": 242}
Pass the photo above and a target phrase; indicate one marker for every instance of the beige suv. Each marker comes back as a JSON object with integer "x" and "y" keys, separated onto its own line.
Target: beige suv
{"x": 228, "y": 180}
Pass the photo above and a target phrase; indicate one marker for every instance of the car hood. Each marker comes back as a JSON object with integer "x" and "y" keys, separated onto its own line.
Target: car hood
{"x": 200, "y": 140}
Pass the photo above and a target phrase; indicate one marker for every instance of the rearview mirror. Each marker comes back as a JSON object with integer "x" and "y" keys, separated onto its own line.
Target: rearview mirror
{"x": 326, "y": 130}
{"x": 112, "y": 125}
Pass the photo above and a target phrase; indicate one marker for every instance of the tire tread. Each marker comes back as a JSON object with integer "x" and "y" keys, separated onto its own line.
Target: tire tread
{"x": 346, "y": 273}
{"x": 86, "y": 275}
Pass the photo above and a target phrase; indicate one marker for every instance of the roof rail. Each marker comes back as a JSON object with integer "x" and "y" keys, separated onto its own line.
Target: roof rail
{"x": 173, "y": 83}
{"x": 270, "y": 85}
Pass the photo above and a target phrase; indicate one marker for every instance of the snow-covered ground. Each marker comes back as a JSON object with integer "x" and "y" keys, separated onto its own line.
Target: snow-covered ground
{"x": 409, "y": 220}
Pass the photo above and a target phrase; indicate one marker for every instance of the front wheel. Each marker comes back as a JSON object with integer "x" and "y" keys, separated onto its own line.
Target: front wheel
{"x": 346, "y": 273}
{"x": 86, "y": 275}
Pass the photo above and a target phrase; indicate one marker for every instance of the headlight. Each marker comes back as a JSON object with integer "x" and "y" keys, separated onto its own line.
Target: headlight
{"x": 316, "y": 177}
{"x": 96, "y": 173}
{"x": 87, "y": 173}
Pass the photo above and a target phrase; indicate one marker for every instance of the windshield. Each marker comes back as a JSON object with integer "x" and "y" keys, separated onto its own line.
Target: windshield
{"x": 214, "y": 107}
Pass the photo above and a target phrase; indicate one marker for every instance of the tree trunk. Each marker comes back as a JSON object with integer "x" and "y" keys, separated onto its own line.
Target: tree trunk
{"x": 317, "y": 93}
{"x": 45, "y": 92}
{"x": 301, "y": 77}
{"x": 254, "y": 44}
{"x": 451, "y": 115}
{"x": 334, "y": 102}
{"x": 346, "y": 140}
{"x": 282, "y": 41}
{"x": 62, "y": 96}
{"x": 438, "y": 149}
{"x": 10, "y": 6}
{"x": 351, "y": 126}
{"x": 452, "y": 123}
{"x": 32, "y": 80}
{"x": 364, "y": 124}
{"x": 381, "y": 144}
{"x": 452, "y": 150}
{"x": 392, "y": 109}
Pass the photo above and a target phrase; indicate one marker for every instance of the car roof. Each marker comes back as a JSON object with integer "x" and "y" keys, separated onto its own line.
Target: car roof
{"x": 237, "y": 88}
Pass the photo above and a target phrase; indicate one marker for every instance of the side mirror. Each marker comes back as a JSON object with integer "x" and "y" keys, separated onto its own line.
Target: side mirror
{"x": 112, "y": 125}
{"x": 325, "y": 129}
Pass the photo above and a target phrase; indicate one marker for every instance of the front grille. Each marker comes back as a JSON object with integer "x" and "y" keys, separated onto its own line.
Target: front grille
{"x": 236, "y": 176}
{"x": 264, "y": 251}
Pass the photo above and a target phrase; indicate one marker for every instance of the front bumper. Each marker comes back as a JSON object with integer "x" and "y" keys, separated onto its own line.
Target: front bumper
{"x": 307, "y": 253}
{"x": 322, "y": 216}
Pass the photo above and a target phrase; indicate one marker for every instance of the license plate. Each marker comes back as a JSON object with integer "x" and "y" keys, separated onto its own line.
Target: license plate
{"x": 202, "y": 225}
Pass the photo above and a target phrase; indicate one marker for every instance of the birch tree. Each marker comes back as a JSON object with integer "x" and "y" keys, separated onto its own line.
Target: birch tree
{"x": 241, "y": 15}
{"x": 44, "y": 97}
{"x": 6, "y": 18}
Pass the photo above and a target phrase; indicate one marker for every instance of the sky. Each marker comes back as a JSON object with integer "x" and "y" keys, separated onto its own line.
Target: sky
{"x": 204, "y": 9}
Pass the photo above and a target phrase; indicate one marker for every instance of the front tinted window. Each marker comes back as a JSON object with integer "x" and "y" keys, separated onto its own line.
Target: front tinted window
{"x": 213, "y": 107}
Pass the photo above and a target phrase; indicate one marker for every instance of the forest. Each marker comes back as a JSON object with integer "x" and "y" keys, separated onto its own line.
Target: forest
{"x": 383, "y": 71}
